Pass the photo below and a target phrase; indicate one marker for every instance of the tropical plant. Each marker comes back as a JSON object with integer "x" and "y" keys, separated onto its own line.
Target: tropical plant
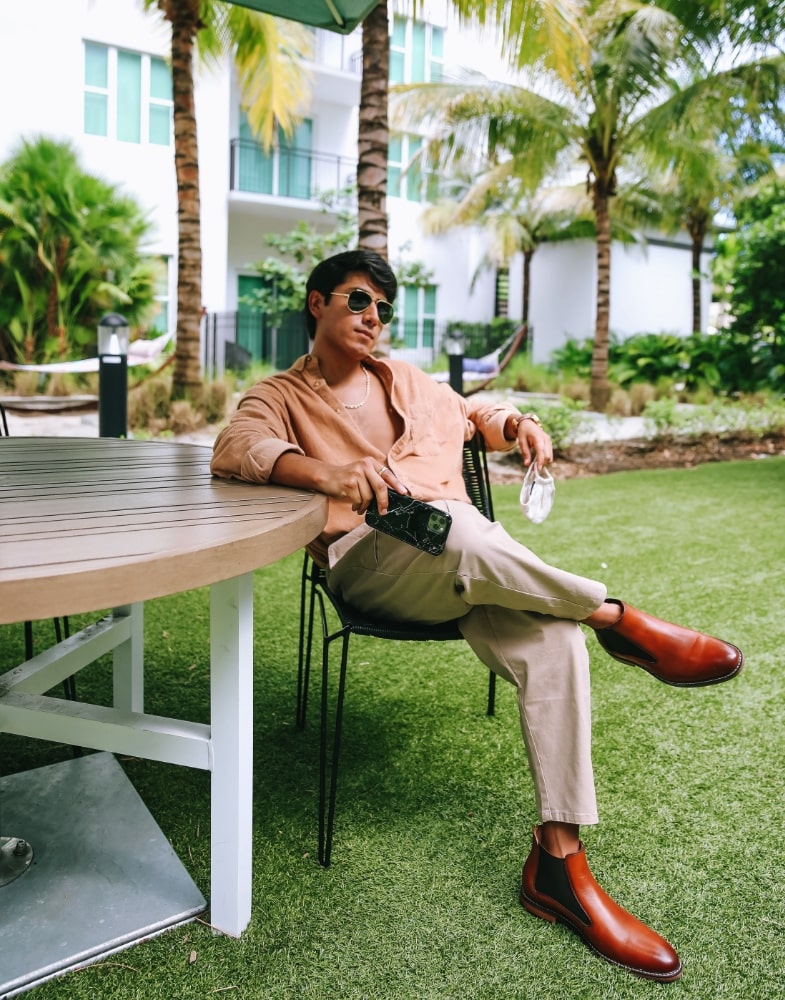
{"x": 750, "y": 257}
{"x": 594, "y": 105}
{"x": 270, "y": 56}
{"x": 71, "y": 249}
{"x": 513, "y": 219}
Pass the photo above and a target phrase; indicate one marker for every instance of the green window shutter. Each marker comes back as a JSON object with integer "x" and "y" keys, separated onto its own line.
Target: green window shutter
{"x": 160, "y": 80}
{"x": 96, "y": 118}
{"x": 397, "y": 67}
{"x": 429, "y": 315}
{"x": 160, "y": 116}
{"x": 254, "y": 168}
{"x": 294, "y": 162}
{"x": 414, "y": 172}
{"x": 249, "y": 319}
{"x": 96, "y": 74}
{"x": 160, "y": 125}
{"x": 160, "y": 320}
{"x": 129, "y": 97}
{"x": 437, "y": 54}
{"x": 398, "y": 51}
{"x": 418, "y": 52}
{"x": 411, "y": 311}
{"x": 394, "y": 162}
{"x": 96, "y": 67}
{"x": 398, "y": 38}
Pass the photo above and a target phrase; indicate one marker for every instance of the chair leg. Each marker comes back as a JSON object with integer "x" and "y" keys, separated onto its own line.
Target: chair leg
{"x": 306, "y": 645}
{"x": 299, "y": 713}
{"x": 327, "y": 808}
{"x": 28, "y": 640}
{"x": 491, "y": 693}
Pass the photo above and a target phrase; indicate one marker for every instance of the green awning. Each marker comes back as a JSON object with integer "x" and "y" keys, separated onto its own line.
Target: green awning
{"x": 334, "y": 15}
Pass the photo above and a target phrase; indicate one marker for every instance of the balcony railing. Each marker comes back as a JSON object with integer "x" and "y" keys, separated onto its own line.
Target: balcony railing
{"x": 287, "y": 173}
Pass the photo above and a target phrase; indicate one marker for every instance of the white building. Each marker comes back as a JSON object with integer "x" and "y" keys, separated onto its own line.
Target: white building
{"x": 94, "y": 72}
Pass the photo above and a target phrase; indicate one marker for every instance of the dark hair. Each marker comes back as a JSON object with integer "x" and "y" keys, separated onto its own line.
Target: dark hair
{"x": 328, "y": 274}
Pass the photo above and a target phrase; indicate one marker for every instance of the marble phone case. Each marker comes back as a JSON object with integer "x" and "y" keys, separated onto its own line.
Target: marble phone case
{"x": 412, "y": 521}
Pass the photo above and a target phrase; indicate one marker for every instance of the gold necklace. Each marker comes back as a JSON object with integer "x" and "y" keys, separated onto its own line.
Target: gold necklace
{"x": 364, "y": 400}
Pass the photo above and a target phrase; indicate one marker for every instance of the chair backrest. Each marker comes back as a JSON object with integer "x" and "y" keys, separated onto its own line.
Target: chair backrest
{"x": 476, "y": 476}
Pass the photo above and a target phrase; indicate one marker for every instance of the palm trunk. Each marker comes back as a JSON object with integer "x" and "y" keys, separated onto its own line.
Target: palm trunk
{"x": 372, "y": 142}
{"x": 527, "y": 279}
{"x": 697, "y": 230}
{"x": 373, "y": 134}
{"x": 599, "y": 388}
{"x": 184, "y": 17}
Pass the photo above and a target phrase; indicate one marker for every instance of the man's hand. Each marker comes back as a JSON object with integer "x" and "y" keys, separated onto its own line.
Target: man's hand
{"x": 359, "y": 482}
{"x": 534, "y": 443}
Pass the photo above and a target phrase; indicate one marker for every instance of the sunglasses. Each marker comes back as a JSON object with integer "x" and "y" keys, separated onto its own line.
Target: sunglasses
{"x": 358, "y": 301}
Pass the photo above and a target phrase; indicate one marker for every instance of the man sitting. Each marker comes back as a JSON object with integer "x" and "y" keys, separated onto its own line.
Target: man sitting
{"x": 353, "y": 427}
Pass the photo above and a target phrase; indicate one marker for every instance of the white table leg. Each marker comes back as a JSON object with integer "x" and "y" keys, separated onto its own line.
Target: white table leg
{"x": 231, "y": 725}
{"x": 128, "y": 662}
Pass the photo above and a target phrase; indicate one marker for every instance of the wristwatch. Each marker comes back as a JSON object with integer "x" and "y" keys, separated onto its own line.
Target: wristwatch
{"x": 527, "y": 416}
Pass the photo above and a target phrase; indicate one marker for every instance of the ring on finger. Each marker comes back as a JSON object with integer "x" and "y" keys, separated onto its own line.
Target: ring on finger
{"x": 383, "y": 470}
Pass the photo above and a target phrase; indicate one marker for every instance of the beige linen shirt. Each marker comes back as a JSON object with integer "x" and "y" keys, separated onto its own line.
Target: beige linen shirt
{"x": 295, "y": 411}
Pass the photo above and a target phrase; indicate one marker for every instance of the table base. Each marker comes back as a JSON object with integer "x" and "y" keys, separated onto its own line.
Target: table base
{"x": 104, "y": 876}
{"x": 16, "y": 856}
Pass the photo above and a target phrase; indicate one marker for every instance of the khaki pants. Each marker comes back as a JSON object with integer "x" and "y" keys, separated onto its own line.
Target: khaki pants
{"x": 517, "y": 613}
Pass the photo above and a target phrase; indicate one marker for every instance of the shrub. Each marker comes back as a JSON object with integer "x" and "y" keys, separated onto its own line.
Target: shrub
{"x": 640, "y": 395}
{"x": 619, "y": 405}
{"x": 563, "y": 421}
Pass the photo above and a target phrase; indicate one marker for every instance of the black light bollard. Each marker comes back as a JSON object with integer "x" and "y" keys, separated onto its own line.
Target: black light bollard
{"x": 454, "y": 344}
{"x": 113, "y": 336}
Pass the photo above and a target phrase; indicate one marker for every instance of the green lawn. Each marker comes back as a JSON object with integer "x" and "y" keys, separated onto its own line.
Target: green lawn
{"x": 435, "y": 803}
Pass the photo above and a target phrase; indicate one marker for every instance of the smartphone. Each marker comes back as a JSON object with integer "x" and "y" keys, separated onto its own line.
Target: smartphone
{"x": 412, "y": 521}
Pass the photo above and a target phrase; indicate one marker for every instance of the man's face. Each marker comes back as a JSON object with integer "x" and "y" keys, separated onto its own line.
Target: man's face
{"x": 337, "y": 327}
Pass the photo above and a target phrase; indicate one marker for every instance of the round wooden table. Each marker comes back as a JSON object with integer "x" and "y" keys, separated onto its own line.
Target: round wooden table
{"x": 92, "y": 524}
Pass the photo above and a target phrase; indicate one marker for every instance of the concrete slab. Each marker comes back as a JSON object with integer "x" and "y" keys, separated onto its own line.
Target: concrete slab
{"x": 103, "y": 876}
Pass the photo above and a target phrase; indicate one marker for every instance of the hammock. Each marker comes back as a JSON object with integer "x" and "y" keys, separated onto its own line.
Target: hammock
{"x": 140, "y": 352}
{"x": 482, "y": 371}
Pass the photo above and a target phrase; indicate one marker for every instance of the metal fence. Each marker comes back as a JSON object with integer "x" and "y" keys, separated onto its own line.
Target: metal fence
{"x": 234, "y": 340}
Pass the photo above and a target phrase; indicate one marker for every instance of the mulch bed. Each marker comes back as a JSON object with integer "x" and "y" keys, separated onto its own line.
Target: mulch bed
{"x": 599, "y": 457}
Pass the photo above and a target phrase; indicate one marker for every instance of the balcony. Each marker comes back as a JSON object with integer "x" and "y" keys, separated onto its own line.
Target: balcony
{"x": 287, "y": 173}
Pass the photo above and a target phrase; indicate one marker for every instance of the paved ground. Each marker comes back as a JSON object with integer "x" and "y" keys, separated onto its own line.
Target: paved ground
{"x": 84, "y": 423}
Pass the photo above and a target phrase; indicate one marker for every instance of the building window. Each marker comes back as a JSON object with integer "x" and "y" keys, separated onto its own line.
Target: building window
{"x": 161, "y": 316}
{"x": 405, "y": 175}
{"x": 415, "y": 317}
{"x": 285, "y": 171}
{"x": 416, "y": 51}
{"x": 128, "y": 95}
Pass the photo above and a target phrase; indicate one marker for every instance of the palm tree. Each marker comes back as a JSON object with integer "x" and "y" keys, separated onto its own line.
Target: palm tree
{"x": 71, "y": 249}
{"x": 514, "y": 220}
{"x": 524, "y": 27}
{"x": 270, "y": 56}
{"x": 703, "y": 181}
{"x": 593, "y": 107}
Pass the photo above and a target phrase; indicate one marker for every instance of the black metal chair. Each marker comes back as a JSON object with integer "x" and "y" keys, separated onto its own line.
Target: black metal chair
{"x": 353, "y": 622}
{"x": 61, "y": 626}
